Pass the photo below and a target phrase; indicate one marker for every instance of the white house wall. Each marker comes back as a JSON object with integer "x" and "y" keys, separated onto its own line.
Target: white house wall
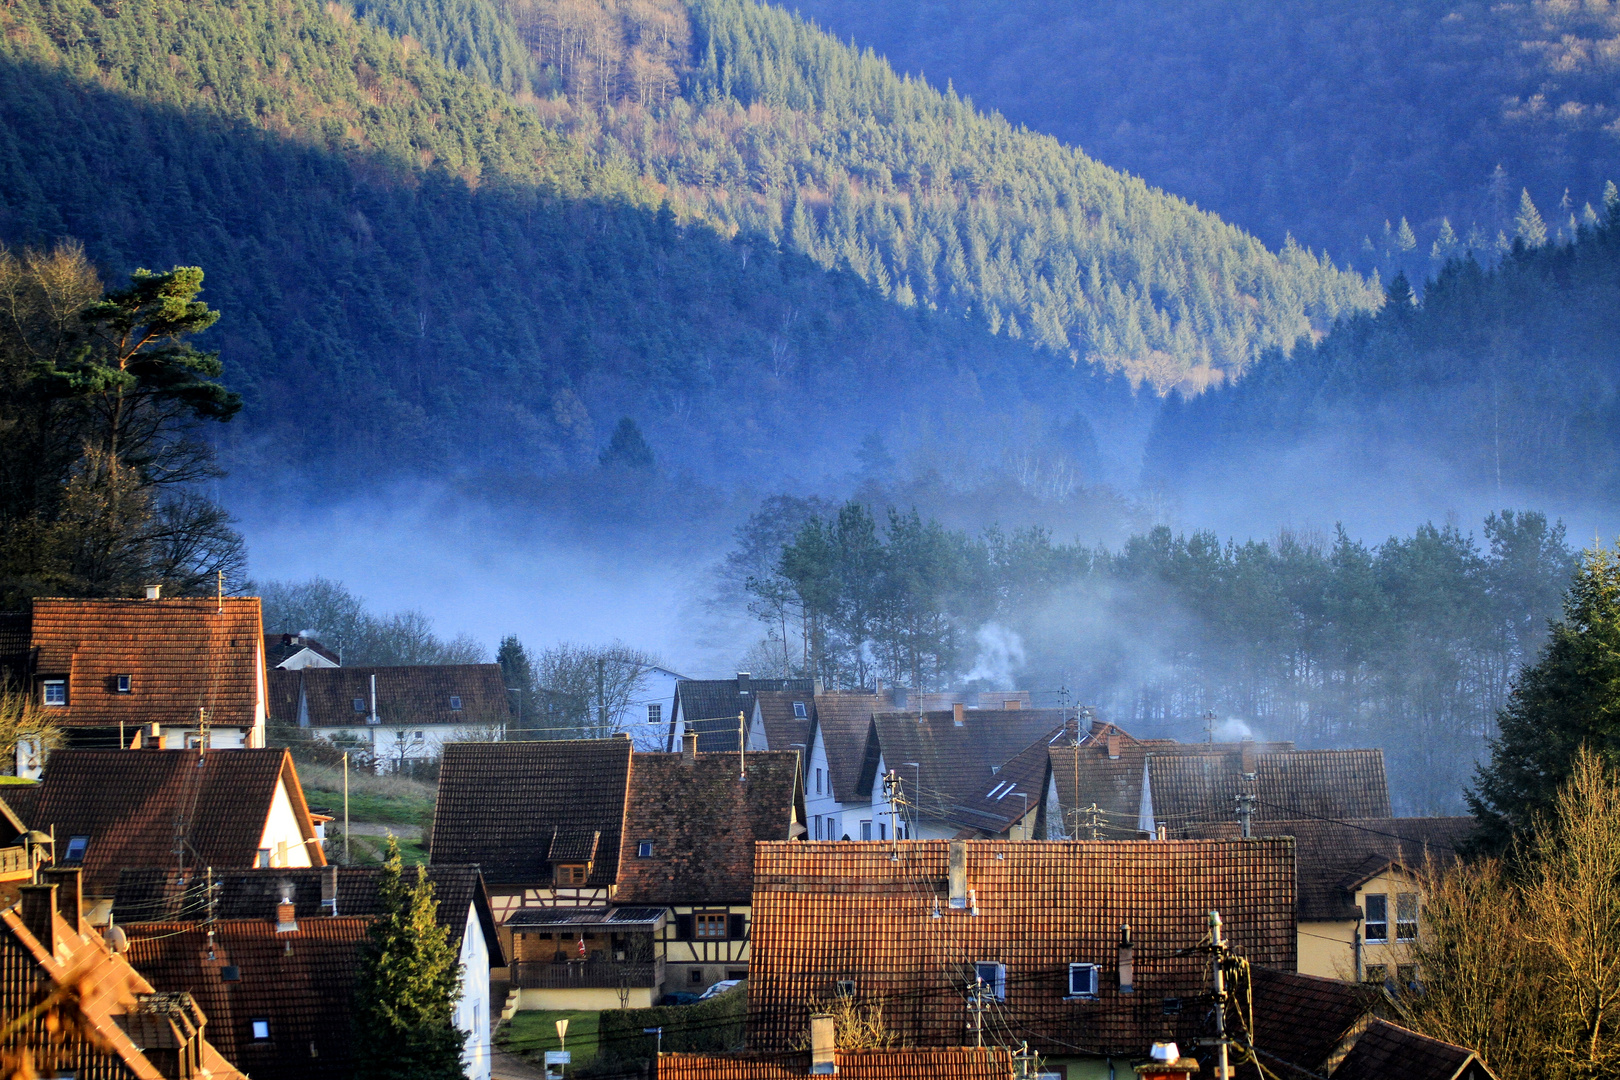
{"x": 472, "y": 1010}
{"x": 282, "y": 837}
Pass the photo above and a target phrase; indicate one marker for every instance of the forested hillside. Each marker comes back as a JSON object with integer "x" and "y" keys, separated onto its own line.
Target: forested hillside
{"x": 757, "y": 121}
{"x": 1315, "y": 117}
{"x": 1508, "y": 378}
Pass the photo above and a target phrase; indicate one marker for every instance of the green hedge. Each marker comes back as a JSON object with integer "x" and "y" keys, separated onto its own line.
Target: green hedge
{"x": 715, "y": 1024}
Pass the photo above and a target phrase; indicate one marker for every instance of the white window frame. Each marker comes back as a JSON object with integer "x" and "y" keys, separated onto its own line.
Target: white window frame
{"x": 123, "y": 684}
{"x": 1370, "y": 922}
{"x": 993, "y": 974}
{"x": 58, "y": 685}
{"x": 800, "y": 712}
{"x": 1092, "y": 979}
{"x": 455, "y": 702}
{"x": 655, "y": 714}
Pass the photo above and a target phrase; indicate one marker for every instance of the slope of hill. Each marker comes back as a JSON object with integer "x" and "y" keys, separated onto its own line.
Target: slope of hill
{"x": 1318, "y": 117}
{"x": 1504, "y": 380}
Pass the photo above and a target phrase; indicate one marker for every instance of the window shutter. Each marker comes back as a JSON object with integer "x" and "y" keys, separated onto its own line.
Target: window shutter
{"x": 683, "y": 927}
{"x": 736, "y": 927}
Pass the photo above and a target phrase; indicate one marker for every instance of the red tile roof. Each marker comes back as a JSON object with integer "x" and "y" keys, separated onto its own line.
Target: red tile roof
{"x": 418, "y": 694}
{"x": 501, "y": 806}
{"x": 1301, "y": 1020}
{"x": 829, "y": 912}
{"x": 957, "y": 1063}
{"x": 1387, "y": 1051}
{"x": 128, "y": 801}
{"x": 301, "y": 981}
{"x": 702, "y": 822}
{"x": 181, "y": 655}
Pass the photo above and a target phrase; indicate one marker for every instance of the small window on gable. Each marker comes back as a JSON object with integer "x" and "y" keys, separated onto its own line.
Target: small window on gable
{"x": 455, "y": 702}
{"x": 572, "y": 873}
{"x": 1377, "y": 905}
{"x": 122, "y": 683}
{"x": 799, "y": 710}
{"x": 1082, "y": 980}
{"x": 818, "y": 781}
{"x": 359, "y": 704}
{"x": 993, "y": 976}
{"x": 264, "y": 858}
{"x": 55, "y": 692}
{"x": 76, "y": 848}
{"x": 261, "y": 1029}
{"x": 644, "y": 849}
{"x": 655, "y": 714}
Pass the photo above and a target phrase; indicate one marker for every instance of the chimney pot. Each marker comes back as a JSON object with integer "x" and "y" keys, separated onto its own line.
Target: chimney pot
{"x": 38, "y": 903}
{"x": 153, "y": 592}
{"x": 823, "y": 1045}
{"x": 958, "y": 714}
{"x": 1249, "y": 759}
{"x": 743, "y": 681}
{"x": 286, "y": 917}
{"x": 70, "y": 893}
{"x": 958, "y": 874}
{"x": 689, "y": 748}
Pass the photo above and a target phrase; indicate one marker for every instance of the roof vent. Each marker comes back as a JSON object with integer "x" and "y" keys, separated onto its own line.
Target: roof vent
{"x": 153, "y": 592}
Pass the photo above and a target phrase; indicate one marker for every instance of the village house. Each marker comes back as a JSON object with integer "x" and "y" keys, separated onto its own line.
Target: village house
{"x": 615, "y": 876}
{"x": 153, "y": 672}
{"x": 129, "y": 1029}
{"x": 719, "y": 710}
{"x": 289, "y": 652}
{"x": 285, "y": 948}
{"x": 957, "y": 1063}
{"x": 1075, "y": 945}
{"x": 1360, "y": 896}
{"x": 226, "y": 809}
{"x": 399, "y": 716}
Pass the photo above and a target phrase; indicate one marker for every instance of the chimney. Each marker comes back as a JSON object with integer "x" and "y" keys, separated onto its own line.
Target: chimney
{"x": 153, "y": 592}
{"x": 743, "y": 682}
{"x": 38, "y": 903}
{"x": 286, "y": 912}
{"x": 329, "y": 890}
{"x": 1113, "y": 746}
{"x": 1071, "y": 729}
{"x": 1012, "y": 704}
{"x": 1166, "y": 1063}
{"x": 877, "y": 686}
{"x": 1247, "y": 750}
{"x": 958, "y": 874}
{"x": 898, "y": 697}
{"x": 70, "y": 893}
{"x": 689, "y": 748}
{"x": 817, "y": 686}
{"x": 823, "y": 1045}
{"x": 958, "y": 714}
{"x": 1127, "y": 961}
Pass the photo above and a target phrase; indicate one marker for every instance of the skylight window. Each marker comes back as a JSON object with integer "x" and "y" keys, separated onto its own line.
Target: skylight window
{"x": 799, "y": 710}
{"x": 261, "y": 1029}
{"x": 76, "y": 848}
{"x": 644, "y": 849}
{"x": 122, "y": 683}
{"x": 359, "y": 704}
{"x": 1082, "y": 980}
{"x": 455, "y": 702}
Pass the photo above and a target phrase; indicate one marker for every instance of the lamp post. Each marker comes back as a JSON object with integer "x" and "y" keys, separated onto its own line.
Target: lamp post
{"x": 518, "y": 690}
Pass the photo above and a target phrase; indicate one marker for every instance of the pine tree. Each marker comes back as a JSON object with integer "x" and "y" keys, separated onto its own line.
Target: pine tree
{"x": 627, "y": 449}
{"x": 409, "y": 981}
{"x": 1399, "y": 301}
{"x": 1404, "y": 238}
{"x": 1445, "y": 243}
{"x": 1569, "y": 699}
{"x": 1527, "y": 223}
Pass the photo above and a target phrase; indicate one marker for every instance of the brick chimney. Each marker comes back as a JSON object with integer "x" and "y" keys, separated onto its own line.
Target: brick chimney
{"x": 1246, "y": 748}
{"x": 286, "y": 910}
{"x": 329, "y": 890}
{"x": 38, "y": 909}
{"x": 744, "y": 682}
{"x": 958, "y": 714}
{"x": 956, "y": 878}
{"x": 1012, "y": 704}
{"x": 1113, "y": 746}
{"x": 823, "y": 1045}
{"x": 70, "y": 892}
{"x": 689, "y": 748}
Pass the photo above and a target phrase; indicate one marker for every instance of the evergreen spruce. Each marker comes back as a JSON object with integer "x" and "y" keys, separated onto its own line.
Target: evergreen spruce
{"x": 1569, "y": 699}
{"x": 627, "y": 449}
{"x": 409, "y": 980}
{"x": 1527, "y": 223}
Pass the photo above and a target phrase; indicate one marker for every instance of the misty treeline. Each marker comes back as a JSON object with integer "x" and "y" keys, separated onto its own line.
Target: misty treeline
{"x": 102, "y": 401}
{"x": 1499, "y": 379}
{"x": 1408, "y": 645}
{"x": 757, "y": 121}
{"x": 1255, "y": 108}
{"x": 574, "y": 691}
{"x": 328, "y": 612}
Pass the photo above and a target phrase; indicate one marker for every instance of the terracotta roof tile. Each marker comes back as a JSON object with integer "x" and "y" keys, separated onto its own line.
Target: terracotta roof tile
{"x": 957, "y": 1063}
{"x": 1386, "y": 1051}
{"x": 702, "y": 823}
{"x": 181, "y": 655}
{"x": 1300, "y": 1020}
{"x": 500, "y": 805}
{"x": 301, "y": 981}
{"x": 958, "y": 767}
{"x": 1336, "y": 856}
{"x": 829, "y": 912}
{"x": 418, "y": 694}
{"x": 127, "y": 803}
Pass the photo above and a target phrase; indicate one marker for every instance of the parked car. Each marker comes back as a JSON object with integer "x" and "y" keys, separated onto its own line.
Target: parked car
{"x": 678, "y": 998}
{"x": 719, "y": 988}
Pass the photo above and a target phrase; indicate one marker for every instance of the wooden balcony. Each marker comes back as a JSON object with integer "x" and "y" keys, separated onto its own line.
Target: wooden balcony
{"x": 587, "y": 975}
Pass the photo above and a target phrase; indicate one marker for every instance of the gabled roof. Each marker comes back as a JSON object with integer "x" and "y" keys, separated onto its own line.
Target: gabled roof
{"x": 501, "y": 804}
{"x": 155, "y": 895}
{"x": 1337, "y": 857}
{"x": 956, "y": 1063}
{"x": 702, "y": 822}
{"x": 1017, "y": 788}
{"x": 417, "y": 694}
{"x": 15, "y": 644}
{"x": 20, "y": 802}
{"x": 710, "y": 706}
{"x": 1301, "y": 1021}
{"x": 844, "y": 721}
{"x": 279, "y": 648}
{"x": 783, "y": 726}
{"x": 301, "y": 981}
{"x": 182, "y": 656}
{"x": 957, "y": 766}
{"x": 1387, "y": 1051}
{"x": 129, "y": 801}
{"x": 829, "y": 912}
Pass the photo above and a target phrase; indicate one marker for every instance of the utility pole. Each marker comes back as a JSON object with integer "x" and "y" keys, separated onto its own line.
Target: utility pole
{"x": 742, "y": 747}
{"x": 891, "y": 795}
{"x": 202, "y": 734}
{"x": 1217, "y": 948}
{"x": 1094, "y": 820}
{"x": 345, "y": 808}
{"x": 601, "y": 694}
{"x": 1209, "y": 727}
{"x": 976, "y": 1008}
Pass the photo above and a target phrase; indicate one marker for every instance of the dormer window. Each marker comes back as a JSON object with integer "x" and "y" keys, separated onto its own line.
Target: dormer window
{"x": 571, "y": 873}
{"x": 261, "y": 1029}
{"x": 55, "y": 692}
{"x": 121, "y": 683}
{"x": 77, "y": 845}
{"x": 1082, "y": 980}
{"x": 799, "y": 710}
{"x": 455, "y": 703}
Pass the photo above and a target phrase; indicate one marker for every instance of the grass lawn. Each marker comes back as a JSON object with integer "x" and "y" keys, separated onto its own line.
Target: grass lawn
{"x": 368, "y": 850}
{"x": 385, "y": 800}
{"x": 531, "y": 1034}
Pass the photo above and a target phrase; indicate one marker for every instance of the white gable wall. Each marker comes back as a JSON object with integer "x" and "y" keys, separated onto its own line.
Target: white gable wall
{"x": 282, "y": 837}
{"x": 472, "y": 1010}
